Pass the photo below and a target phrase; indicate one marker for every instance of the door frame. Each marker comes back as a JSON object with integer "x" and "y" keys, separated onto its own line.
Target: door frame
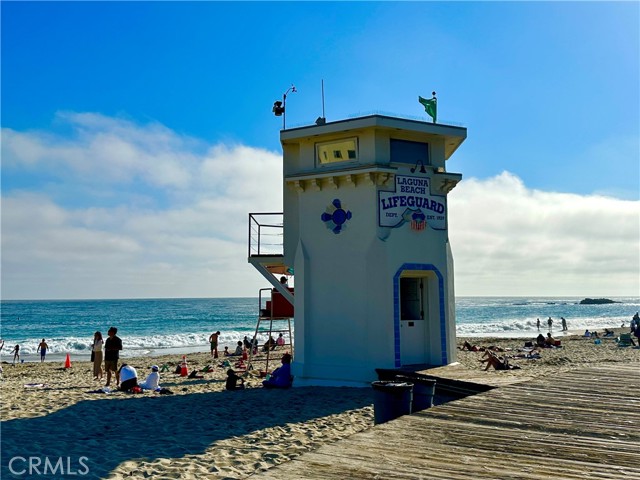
{"x": 396, "y": 309}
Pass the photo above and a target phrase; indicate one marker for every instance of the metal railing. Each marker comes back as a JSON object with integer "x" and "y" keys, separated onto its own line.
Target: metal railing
{"x": 266, "y": 234}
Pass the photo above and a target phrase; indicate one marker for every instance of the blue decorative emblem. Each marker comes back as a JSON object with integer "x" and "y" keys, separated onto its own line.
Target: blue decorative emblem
{"x": 336, "y": 217}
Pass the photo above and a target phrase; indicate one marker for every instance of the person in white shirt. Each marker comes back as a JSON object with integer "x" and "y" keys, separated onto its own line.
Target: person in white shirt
{"x": 128, "y": 377}
{"x": 153, "y": 380}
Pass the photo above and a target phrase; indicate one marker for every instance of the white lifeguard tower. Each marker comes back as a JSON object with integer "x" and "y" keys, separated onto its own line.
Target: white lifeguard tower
{"x": 364, "y": 231}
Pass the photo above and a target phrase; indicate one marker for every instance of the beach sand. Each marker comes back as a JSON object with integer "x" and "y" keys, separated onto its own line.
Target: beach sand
{"x": 204, "y": 431}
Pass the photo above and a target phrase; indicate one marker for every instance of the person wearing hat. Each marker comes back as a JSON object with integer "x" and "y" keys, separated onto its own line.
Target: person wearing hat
{"x": 153, "y": 379}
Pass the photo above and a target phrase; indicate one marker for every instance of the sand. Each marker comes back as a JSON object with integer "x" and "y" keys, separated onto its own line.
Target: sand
{"x": 202, "y": 430}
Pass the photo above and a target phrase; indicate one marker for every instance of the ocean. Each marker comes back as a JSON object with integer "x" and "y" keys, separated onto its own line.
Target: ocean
{"x": 164, "y": 326}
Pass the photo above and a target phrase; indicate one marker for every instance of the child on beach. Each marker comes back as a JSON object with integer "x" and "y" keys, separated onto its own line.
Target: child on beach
{"x": 232, "y": 381}
{"x": 16, "y": 354}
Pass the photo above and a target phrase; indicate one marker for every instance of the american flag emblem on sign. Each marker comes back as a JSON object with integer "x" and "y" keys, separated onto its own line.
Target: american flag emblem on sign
{"x": 418, "y": 221}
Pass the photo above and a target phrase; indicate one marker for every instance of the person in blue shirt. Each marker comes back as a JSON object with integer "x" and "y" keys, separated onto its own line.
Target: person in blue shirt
{"x": 281, "y": 376}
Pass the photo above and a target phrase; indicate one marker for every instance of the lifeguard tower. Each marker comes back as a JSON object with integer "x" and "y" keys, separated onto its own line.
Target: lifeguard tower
{"x": 364, "y": 230}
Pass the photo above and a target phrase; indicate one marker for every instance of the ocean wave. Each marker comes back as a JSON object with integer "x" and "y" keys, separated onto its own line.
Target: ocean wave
{"x": 135, "y": 345}
{"x": 529, "y": 326}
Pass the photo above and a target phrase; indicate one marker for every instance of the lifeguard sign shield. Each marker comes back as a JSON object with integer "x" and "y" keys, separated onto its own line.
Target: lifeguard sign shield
{"x": 411, "y": 200}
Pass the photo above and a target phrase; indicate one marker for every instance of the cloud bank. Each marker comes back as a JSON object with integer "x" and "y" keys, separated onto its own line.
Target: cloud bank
{"x": 511, "y": 240}
{"x": 101, "y": 207}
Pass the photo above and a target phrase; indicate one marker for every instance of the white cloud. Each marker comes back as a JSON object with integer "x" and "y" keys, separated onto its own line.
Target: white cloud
{"x": 54, "y": 246}
{"x": 175, "y": 223}
{"x": 511, "y": 240}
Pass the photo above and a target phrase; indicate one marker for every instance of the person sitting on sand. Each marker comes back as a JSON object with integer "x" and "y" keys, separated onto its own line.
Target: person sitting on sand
{"x": 492, "y": 360}
{"x": 549, "y": 341}
{"x": 595, "y": 335}
{"x": 540, "y": 340}
{"x": 280, "y": 341}
{"x": 269, "y": 344}
{"x": 128, "y": 377}
{"x": 608, "y": 333}
{"x": 226, "y": 352}
{"x": 194, "y": 374}
{"x": 153, "y": 380}
{"x": 587, "y": 333}
{"x": 232, "y": 381}
{"x": 239, "y": 349}
{"x": 281, "y": 376}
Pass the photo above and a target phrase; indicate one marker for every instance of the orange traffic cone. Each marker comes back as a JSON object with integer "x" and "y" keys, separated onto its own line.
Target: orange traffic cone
{"x": 183, "y": 371}
{"x": 67, "y": 362}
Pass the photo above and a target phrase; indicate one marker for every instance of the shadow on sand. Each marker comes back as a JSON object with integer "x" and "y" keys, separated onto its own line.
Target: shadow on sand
{"x": 110, "y": 431}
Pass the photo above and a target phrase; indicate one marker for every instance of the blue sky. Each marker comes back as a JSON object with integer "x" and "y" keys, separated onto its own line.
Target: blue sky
{"x": 111, "y": 112}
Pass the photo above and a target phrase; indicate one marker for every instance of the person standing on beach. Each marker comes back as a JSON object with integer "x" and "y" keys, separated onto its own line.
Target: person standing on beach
{"x": 112, "y": 348}
{"x": 16, "y": 354}
{"x": 550, "y": 323}
{"x": 98, "y": 343}
{"x": 213, "y": 340}
{"x": 43, "y": 350}
{"x": 538, "y": 324}
{"x": 564, "y": 324}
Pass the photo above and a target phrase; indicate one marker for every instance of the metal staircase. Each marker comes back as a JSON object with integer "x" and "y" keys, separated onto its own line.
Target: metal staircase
{"x": 275, "y": 305}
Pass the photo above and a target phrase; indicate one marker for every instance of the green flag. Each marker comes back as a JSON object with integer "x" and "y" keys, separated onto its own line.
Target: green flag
{"x": 430, "y": 106}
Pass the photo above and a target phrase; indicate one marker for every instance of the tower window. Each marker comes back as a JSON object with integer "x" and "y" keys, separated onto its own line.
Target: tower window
{"x": 337, "y": 151}
{"x": 405, "y": 151}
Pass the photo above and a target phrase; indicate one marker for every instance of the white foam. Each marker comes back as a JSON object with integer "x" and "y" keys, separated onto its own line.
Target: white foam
{"x": 137, "y": 345}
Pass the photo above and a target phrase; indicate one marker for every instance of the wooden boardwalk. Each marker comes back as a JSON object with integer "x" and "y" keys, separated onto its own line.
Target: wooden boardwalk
{"x": 583, "y": 424}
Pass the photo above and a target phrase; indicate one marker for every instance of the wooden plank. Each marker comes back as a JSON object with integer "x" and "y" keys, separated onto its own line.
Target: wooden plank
{"x": 576, "y": 425}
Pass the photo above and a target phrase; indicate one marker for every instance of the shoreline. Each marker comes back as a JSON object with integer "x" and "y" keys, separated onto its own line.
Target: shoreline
{"x": 6, "y": 358}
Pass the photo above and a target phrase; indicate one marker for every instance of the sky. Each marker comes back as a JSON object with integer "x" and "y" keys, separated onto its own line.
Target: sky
{"x": 137, "y": 137}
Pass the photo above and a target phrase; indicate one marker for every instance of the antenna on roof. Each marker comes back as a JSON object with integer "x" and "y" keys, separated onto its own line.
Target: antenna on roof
{"x": 322, "y": 120}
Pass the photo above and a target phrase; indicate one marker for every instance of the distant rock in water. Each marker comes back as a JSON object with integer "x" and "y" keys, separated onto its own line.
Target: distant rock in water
{"x": 596, "y": 301}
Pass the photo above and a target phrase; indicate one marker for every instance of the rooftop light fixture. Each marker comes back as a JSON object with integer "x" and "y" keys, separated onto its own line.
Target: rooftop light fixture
{"x": 279, "y": 107}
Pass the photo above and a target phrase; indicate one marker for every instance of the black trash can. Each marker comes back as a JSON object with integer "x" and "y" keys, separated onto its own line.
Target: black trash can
{"x": 423, "y": 391}
{"x": 391, "y": 399}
